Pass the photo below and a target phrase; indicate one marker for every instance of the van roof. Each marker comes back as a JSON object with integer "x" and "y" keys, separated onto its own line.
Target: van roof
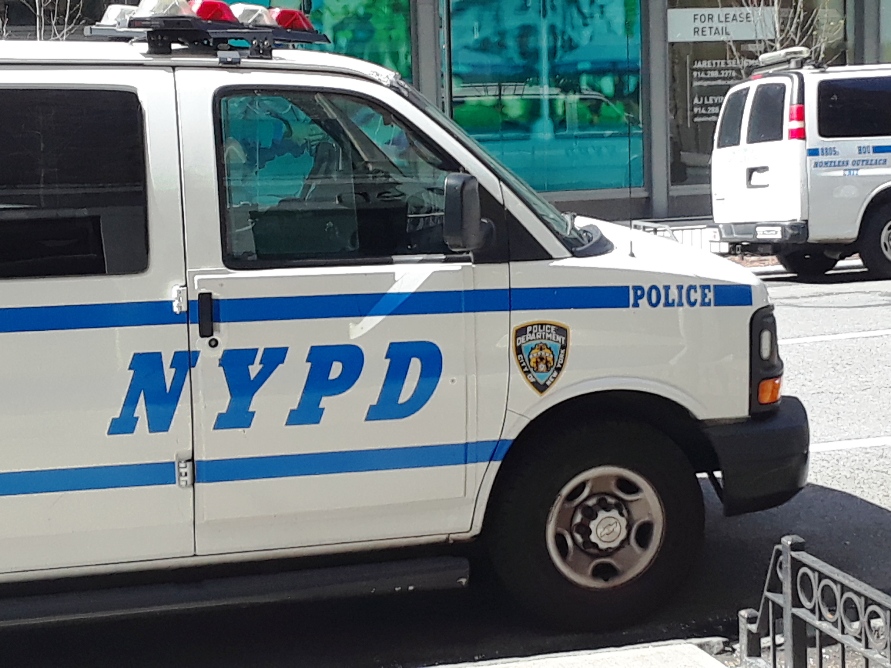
{"x": 836, "y": 69}
{"x": 98, "y": 53}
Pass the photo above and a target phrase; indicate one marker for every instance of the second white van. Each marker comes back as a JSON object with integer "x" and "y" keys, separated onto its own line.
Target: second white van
{"x": 801, "y": 165}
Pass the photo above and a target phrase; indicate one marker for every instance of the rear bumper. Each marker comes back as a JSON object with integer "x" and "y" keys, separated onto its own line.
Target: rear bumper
{"x": 764, "y": 233}
{"x": 764, "y": 460}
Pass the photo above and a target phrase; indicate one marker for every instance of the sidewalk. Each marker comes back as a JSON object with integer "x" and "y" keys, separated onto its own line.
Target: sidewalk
{"x": 662, "y": 655}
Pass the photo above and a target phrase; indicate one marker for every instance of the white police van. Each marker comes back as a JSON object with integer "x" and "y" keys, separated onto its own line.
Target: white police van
{"x": 265, "y": 304}
{"x": 800, "y": 165}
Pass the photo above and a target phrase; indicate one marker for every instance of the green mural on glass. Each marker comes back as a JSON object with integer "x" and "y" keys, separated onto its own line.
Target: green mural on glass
{"x": 552, "y": 87}
{"x": 374, "y": 30}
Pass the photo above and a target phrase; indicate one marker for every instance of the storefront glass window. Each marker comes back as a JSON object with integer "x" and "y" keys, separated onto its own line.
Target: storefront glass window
{"x": 885, "y": 30}
{"x": 711, "y": 44}
{"x": 552, "y": 88}
{"x": 374, "y": 30}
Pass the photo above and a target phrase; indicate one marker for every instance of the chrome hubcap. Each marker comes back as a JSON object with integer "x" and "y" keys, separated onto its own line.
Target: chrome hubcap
{"x": 885, "y": 240}
{"x": 605, "y": 527}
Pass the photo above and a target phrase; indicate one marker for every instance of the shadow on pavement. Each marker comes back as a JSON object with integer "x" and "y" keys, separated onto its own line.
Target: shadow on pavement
{"x": 429, "y": 629}
{"x": 839, "y": 277}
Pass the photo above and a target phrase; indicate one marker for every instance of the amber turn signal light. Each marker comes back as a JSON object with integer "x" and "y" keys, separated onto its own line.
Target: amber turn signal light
{"x": 769, "y": 390}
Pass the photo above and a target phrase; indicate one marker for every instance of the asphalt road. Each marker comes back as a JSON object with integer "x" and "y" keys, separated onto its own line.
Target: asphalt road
{"x": 835, "y": 337}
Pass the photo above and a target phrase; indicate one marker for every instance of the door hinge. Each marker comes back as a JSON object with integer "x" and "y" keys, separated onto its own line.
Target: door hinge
{"x": 185, "y": 472}
{"x": 180, "y": 299}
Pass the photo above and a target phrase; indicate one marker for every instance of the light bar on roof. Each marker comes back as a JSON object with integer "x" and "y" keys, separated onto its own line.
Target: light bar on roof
{"x": 783, "y": 55}
{"x": 204, "y": 25}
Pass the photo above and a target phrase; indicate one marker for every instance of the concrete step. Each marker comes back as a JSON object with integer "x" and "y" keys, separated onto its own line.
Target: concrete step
{"x": 663, "y": 655}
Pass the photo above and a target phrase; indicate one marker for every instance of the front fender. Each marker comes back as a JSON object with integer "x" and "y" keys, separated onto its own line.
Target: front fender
{"x": 592, "y": 386}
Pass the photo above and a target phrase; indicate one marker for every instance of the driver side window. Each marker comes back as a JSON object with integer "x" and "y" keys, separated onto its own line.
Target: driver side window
{"x": 309, "y": 176}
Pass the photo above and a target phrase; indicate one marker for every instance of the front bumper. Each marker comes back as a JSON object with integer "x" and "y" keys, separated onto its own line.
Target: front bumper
{"x": 763, "y": 460}
{"x": 764, "y": 233}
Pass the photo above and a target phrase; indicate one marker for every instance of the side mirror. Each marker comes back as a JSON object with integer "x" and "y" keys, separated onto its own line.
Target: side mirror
{"x": 463, "y": 228}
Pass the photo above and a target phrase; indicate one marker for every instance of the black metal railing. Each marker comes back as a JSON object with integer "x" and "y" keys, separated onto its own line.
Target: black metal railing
{"x": 813, "y": 614}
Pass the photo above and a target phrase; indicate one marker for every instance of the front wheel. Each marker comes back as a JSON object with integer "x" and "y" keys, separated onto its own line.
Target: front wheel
{"x": 806, "y": 263}
{"x": 875, "y": 242}
{"x": 597, "y": 526}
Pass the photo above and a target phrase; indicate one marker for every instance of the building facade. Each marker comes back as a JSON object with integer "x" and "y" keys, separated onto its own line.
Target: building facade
{"x": 607, "y": 106}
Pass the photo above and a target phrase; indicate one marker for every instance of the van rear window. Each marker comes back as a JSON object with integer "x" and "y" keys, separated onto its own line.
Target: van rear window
{"x": 768, "y": 114}
{"x": 731, "y": 121}
{"x": 72, "y": 183}
{"x": 854, "y": 107}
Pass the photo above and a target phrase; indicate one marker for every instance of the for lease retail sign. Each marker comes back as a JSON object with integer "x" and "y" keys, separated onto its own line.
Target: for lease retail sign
{"x": 721, "y": 25}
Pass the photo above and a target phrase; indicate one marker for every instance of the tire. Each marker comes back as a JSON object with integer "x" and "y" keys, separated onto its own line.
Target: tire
{"x": 806, "y": 263}
{"x": 521, "y": 531}
{"x": 875, "y": 242}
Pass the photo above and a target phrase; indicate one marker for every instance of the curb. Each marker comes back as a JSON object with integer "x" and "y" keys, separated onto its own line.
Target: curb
{"x": 692, "y": 653}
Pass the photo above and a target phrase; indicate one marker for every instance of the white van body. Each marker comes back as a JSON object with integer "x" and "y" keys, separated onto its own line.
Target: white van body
{"x": 800, "y": 166}
{"x": 183, "y": 392}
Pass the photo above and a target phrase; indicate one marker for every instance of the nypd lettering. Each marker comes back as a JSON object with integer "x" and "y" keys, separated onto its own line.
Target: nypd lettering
{"x": 333, "y": 371}
{"x": 672, "y": 296}
{"x": 540, "y": 349}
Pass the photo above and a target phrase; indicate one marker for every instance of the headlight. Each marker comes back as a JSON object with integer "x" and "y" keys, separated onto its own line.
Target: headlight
{"x": 766, "y": 347}
{"x": 766, "y": 367}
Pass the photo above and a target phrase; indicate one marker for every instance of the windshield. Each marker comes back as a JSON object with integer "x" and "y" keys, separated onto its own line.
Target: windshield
{"x": 559, "y": 225}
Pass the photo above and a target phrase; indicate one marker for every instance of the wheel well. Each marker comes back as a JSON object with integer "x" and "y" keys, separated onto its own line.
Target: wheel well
{"x": 879, "y": 200}
{"x": 661, "y": 414}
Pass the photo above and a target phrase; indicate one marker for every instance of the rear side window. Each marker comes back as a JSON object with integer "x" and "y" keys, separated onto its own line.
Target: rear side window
{"x": 854, "y": 107}
{"x": 72, "y": 183}
{"x": 731, "y": 121}
{"x": 768, "y": 114}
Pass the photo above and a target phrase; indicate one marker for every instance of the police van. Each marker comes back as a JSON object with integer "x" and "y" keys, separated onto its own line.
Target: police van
{"x": 800, "y": 164}
{"x": 262, "y": 303}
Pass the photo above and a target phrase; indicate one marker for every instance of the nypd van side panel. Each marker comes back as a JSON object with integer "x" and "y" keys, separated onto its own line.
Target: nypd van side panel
{"x": 642, "y": 332}
{"x": 88, "y": 472}
{"x": 643, "y": 328}
{"x": 315, "y": 466}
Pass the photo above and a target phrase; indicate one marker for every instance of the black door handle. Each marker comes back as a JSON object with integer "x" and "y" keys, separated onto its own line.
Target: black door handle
{"x": 205, "y": 314}
{"x": 751, "y": 171}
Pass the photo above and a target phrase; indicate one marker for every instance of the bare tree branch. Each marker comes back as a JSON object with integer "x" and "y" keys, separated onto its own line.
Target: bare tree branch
{"x": 55, "y": 19}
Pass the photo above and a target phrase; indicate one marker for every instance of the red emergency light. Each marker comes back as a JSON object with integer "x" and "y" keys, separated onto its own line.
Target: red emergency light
{"x": 213, "y": 10}
{"x": 291, "y": 19}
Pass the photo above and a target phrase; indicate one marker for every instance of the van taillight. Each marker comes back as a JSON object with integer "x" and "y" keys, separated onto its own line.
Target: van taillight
{"x": 796, "y": 122}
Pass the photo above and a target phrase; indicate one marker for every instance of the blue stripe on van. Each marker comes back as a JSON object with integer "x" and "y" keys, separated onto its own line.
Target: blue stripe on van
{"x": 87, "y": 316}
{"x": 17, "y": 483}
{"x": 594, "y": 297}
{"x": 733, "y": 295}
{"x": 815, "y": 152}
{"x": 316, "y": 307}
{"x": 349, "y": 461}
{"x": 80, "y": 479}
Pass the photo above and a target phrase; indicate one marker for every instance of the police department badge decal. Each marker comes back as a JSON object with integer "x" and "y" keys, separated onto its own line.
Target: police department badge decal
{"x": 540, "y": 349}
